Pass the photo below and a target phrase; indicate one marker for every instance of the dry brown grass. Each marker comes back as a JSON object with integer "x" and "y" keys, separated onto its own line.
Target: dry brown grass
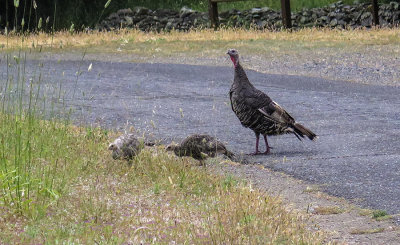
{"x": 328, "y": 210}
{"x": 311, "y": 36}
{"x": 365, "y": 212}
{"x": 368, "y": 231}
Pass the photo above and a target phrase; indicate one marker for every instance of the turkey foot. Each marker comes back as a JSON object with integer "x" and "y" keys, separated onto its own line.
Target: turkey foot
{"x": 267, "y": 151}
{"x": 254, "y": 153}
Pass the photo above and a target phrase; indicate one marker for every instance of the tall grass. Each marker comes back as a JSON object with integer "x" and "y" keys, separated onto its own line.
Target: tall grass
{"x": 36, "y": 157}
{"x": 25, "y": 144}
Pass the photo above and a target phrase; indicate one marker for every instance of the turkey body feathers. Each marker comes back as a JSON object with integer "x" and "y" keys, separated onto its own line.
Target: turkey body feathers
{"x": 201, "y": 146}
{"x": 256, "y": 110}
{"x": 126, "y": 147}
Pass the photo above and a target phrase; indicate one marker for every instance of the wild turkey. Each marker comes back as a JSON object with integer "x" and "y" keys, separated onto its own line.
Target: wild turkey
{"x": 200, "y": 147}
{"x": 125, "y": 147}
{"x": 258, "y": 112}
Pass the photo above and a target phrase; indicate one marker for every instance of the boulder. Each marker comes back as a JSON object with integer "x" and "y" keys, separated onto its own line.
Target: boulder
{"x": 127, "y": 11}
{"x": 333, "y": 23}
{"x": 185, "y": 11}
{"x": 141, "y": 11}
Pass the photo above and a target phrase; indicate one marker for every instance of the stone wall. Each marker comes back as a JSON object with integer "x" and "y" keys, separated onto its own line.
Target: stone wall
{"x": 337, "y": 15}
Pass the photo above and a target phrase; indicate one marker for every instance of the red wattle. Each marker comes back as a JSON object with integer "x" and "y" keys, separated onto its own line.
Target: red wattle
{"x": 233, "y": 60}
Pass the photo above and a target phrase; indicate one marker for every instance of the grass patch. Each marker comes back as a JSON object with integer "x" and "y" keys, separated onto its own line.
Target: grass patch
{"x": 365, "y": 212}
{"x": 368, "y": 231}
{"x": 380, "y": 215}
{"x": 382, "y": 218}
{"x": 328, "y": 210}
{"x": 200, "y": 41}
{"x": 159, "y": 199}
{"x": 37, "y": 161}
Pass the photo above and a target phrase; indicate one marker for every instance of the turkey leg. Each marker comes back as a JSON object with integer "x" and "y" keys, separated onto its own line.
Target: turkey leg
{"x": 257, "y": 141}
{"x": 266, "y": 144}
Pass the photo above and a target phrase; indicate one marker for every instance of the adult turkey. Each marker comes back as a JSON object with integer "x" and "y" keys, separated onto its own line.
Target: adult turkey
{"x": 258, "y": 112}
{"x": 200, "y": 147}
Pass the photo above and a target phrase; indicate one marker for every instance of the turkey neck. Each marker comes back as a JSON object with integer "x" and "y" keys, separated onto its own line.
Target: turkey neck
{"x": 240, "y": 79}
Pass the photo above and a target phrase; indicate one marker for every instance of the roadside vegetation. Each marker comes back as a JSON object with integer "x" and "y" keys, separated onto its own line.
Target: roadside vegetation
{"x": 159, "y": 199}
{"x": 59, "y": 183}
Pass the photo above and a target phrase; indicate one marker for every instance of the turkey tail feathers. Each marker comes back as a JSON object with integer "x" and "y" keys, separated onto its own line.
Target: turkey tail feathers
{"x": 300, "y": 130}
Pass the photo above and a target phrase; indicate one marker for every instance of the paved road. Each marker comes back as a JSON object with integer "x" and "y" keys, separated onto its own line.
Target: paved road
{"x": 357, "y": 155}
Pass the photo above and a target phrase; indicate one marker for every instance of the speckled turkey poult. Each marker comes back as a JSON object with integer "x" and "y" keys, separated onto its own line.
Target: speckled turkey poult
{"x": 125, "y": 147}
{"x": 200, "y": 146}
{"x": 258, "y": 112}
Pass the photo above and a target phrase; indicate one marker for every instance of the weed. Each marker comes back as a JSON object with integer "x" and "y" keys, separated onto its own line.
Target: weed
{"x": 380, "y": 215}
{"x": 229, "y": 182}
{"x": 367, "y": 231}
{"x": 156, "y": 189}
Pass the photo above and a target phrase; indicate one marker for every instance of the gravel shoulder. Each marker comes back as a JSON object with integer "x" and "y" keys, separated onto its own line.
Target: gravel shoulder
{"x": 365, "y": 64}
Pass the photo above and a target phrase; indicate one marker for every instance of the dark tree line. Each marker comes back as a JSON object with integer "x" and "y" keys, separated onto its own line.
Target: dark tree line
{"x": 32, "y": 14}
{"x": 43, "y": 14}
